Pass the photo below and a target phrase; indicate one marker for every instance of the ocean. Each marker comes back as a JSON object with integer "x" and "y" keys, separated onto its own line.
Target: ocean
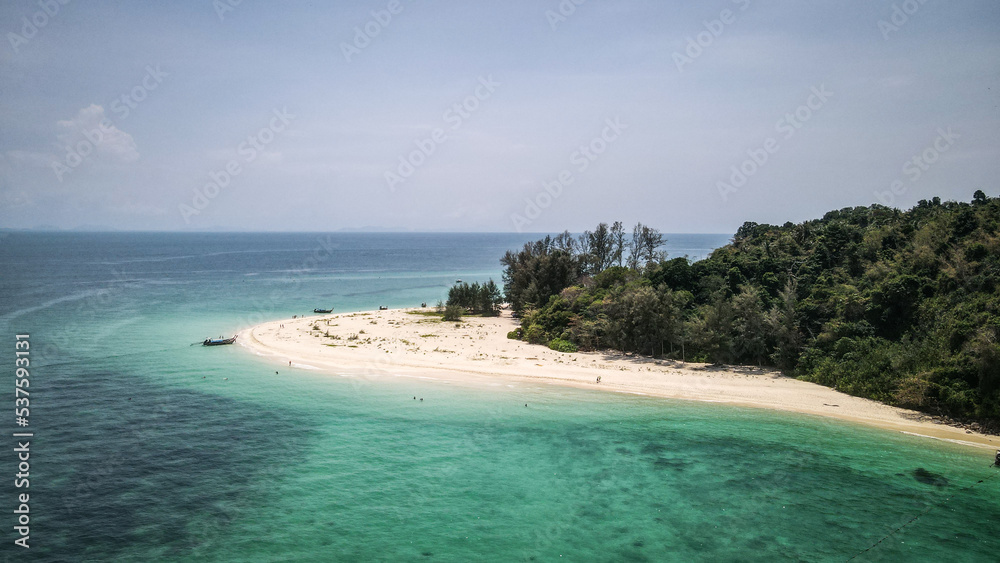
{"x": 148, "y": 447}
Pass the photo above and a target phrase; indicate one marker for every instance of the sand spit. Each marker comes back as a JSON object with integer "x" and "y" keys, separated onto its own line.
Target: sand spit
{"x": 411, "y": 342}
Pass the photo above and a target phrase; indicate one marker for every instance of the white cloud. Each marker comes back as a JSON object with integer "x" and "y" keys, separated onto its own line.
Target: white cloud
{"x": 90, "y": 124}
{"x": 12, "y": 200}
{"x": 81, "y": 134}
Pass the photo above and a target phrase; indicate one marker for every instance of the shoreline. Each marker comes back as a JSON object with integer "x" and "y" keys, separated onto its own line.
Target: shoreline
{"x": 413, "y": 342}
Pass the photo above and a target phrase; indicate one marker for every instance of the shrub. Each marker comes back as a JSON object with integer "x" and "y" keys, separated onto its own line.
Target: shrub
{"x": 515, "y": 334}
{"x": 452, "y": 313}
{"x": 535, "y": 335}
{"x": 976, "y": 252}
{"x": 560, "y": 345}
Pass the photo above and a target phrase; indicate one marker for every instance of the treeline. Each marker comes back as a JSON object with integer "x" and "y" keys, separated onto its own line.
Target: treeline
{"x": 901, "y": 307}
{"x": 482, "y": 299}
{"x": 546, "y": 267}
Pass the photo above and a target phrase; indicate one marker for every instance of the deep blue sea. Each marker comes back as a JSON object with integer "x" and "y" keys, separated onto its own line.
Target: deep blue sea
{"x": 149, "y": 448}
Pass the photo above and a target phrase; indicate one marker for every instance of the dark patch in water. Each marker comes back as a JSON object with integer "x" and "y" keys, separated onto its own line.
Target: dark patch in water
{"x": 623, "y": 451}
{"x": 638, "y": 543}
{"x": 928, "y": 478}
{"x": 143, "y": 479}
{"x": 665, "y": 463}
{"x": 633, "y": 556}
{"x": 653, "y": 448}
{"x": 427, "y": 554}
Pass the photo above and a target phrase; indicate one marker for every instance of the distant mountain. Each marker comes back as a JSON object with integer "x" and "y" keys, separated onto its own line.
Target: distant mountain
{"x": 373, "y": 230}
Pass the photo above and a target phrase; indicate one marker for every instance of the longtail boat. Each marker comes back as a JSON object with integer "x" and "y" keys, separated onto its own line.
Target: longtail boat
{"x": 219, "y": 341}
{"x": 322, "y": 311}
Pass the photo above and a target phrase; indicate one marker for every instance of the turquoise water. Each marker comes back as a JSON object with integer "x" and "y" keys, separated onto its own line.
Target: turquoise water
{"x": 144, "y": 452}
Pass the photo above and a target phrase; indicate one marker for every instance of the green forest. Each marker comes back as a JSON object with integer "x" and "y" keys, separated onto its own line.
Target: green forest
{"x": 898, "y": 306}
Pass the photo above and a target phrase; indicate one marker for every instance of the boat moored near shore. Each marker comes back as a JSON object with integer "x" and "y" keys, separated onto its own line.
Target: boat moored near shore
{"x": 219, "y": 341}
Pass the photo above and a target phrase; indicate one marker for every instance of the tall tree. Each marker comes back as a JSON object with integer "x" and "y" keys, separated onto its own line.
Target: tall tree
{"x": 564, "y": 241}
{"x": 644, "y": 247}
{"x": 617, "y": 243}
{"x": 536, "y": 273}
{"x": 783, "y": 326}
{"x": 635, "y": 248}
{"x": 601, "y": 247}
{"x": 673, "y": 305}
{"x": 652, "y": 240}
{"x": 585, "y": 254}
{"x": 750, "y": 337}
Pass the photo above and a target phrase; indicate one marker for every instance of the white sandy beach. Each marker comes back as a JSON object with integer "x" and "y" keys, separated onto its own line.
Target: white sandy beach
{"x": 404, "y": 341}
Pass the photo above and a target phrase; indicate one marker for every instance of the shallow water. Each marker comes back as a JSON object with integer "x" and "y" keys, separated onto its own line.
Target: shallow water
{"x": 144, "y": 451}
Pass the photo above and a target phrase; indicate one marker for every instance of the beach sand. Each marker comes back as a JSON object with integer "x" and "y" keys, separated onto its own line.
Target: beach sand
{"x": 411, "y": 342}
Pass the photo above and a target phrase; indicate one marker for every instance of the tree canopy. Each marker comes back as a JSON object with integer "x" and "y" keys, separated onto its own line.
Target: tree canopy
{"x": 898, "y": 306}
{"x": 483, "y": 299}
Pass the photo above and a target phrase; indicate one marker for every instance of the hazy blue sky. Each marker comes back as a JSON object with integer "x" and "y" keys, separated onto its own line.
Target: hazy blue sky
{"x": 119, "y": 114}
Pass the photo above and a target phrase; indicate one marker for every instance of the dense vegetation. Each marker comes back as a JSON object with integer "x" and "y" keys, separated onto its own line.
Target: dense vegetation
{"x": 481, "y": 299}
{"x": 901, "y": 307}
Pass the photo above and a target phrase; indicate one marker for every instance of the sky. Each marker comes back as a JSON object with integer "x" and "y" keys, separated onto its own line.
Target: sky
{"x": 520, "y": 116}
